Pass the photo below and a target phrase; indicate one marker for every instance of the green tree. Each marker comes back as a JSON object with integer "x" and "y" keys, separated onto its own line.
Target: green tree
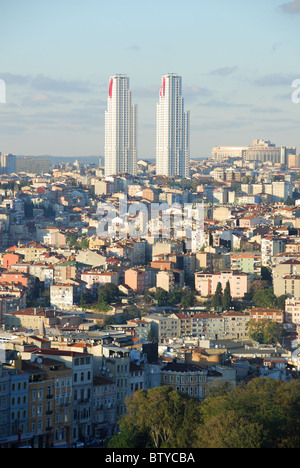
{"x": 269, "y": 410}
{"x": 82, "y": 301}
{"x": 188, "y": 299}
{"x": 217, "y": 297}
{"x": 265, "y": 298}
{"x": 233, "y": 431}
{"x": 264, "y": 413}
{"x": 84, "y": 243}
{"x": 174, "y": 298}
{"x": 162, "y": 297}
{"x": 227, "y": 299}
{"x": 107, "y": 294}
{"x": 266, "y": 274}
{"x": 129, "y": 437}
{"x": 289, "y": 201}
{"x": 165, "y": 415}
{"x": 265, "y": 331}
{"x": 151, "y": 336}
{"x": 280, "y": 302}
{"x": 72, "y": 241}
{"x": 256, "y": 331}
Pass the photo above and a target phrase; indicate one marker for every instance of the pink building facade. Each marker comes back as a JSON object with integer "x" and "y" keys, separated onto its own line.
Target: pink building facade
{"x": 206, "y": 283}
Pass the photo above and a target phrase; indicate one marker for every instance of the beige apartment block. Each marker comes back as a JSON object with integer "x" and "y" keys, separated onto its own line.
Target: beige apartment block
{"x": 289, "y": 267}
{"x": 288, "y": 285}
{"x": 165, "y": 280}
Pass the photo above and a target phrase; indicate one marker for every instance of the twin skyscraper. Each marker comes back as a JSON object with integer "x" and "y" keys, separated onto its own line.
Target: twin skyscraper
{"x": 172, "y": 129}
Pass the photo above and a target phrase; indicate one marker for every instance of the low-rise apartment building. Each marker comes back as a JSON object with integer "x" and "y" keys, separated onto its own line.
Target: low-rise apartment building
{"x": 185, "y": 378}
{"x": 163, "y": 326}
{"x": 104, "y": 416}
{"x": 81, "y": 366}
{"x": 261, "y": 314}
{"x": 92, "y": 278}
{"x": 135, "y": 279}
{"x": 206, "y": 283}
{"x": 62, "y": 296}
{"x": 230, "y": 325}
{"x": 30, "y": 318}
{"x": 113, "y": 362}
{"x": 50, "y": 401}
{"x": 170, "y": 280}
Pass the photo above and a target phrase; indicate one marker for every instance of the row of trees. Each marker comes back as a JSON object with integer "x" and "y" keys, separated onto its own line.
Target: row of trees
{"x": 183, "y": 297}
{"x": 222, "y": 300}
{"x": 261, "y": 295}
{"x": 264, "y": 413}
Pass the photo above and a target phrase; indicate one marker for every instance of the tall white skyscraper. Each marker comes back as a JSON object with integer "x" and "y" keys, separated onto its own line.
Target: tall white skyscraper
{"x": 120, "y": 128}
{"x": 172, "y": 130}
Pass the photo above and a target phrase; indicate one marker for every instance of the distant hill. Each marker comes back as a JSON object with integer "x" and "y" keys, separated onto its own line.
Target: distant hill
{"x": 64, "y": 159}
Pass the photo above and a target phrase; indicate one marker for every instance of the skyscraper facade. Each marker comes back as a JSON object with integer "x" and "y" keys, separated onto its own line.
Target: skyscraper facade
{"x": 7, "y": 163}
{"x": 172, "y": 130}
{"x": 120, "y": 128}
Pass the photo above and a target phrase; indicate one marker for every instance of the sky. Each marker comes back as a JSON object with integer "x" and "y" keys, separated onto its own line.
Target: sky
{"x": 238, "y": 60}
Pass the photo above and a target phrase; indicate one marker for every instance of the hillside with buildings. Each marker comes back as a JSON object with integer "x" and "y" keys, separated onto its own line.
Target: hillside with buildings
{"x": 114, "y": 284}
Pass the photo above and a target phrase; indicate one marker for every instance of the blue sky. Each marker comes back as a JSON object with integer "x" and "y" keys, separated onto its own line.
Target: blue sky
{"x": 237, "y": 59}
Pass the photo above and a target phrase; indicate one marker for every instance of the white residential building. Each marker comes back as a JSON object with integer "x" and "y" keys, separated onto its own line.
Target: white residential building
{"x": 269, "y": 248}
{"x": 120, "y": 128}
{"x": 172, "y": 130}
{"x": 62, "y": 296}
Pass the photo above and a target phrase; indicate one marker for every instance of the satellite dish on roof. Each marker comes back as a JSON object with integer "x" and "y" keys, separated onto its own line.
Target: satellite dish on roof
{"x": 39, "y": 360}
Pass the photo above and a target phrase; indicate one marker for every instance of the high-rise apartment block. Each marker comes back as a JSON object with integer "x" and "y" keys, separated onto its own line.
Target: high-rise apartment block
{"x": 33, "y": 165}
{"x": 7, "y": 163}
{"x": 172, "y": 130}
{"x": 120, "y": 128}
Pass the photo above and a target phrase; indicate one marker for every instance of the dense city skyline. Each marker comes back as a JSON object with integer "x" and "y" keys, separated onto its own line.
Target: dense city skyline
{"x": 149, "y": 226}
{"x": 237, "y": 86}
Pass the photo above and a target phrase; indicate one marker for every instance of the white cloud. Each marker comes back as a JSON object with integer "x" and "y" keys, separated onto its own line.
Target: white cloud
{"x": 224, "y": 71}
{"x": 275, "y": 79}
